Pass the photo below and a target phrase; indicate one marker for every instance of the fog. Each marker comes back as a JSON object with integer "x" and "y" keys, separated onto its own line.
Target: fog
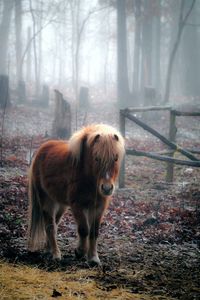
{"x": 130, "y": 64}
{"x": 119, "y": 49}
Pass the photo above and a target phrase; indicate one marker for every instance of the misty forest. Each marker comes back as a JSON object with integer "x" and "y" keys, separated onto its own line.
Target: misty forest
{"x": 133, "y": 65}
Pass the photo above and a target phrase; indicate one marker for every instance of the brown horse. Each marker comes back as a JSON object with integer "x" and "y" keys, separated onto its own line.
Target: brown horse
{"x": 80, "y": 174}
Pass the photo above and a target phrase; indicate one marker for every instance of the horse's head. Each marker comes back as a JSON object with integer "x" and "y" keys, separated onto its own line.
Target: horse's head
{"x": 106, "y": 149}
{"x": 101, "y": 148}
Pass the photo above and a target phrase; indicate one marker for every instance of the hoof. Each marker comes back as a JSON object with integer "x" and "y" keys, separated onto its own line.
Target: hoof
{"x": 47, "y": 248}
{"x": 94, "y": 261}
{"x": 57, "y": 256}
{"x": 79, "y": 253}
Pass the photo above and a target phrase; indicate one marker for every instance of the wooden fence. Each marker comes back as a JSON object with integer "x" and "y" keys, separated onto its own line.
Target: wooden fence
{"x": 170, "y": 142}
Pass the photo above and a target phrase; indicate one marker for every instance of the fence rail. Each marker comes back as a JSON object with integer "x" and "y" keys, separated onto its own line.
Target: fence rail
{"x": 170, "y": 142}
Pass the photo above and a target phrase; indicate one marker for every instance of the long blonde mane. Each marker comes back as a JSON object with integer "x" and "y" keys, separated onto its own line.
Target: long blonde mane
{"x": 111, "y": 141}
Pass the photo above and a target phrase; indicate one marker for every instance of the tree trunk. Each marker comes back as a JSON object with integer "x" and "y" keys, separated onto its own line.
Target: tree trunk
{"x": 4, "y": 91}
{"x": 156, "y": 48}
{"x": 191, "y": 56}
{"x": 4, "y": 34}
{"x": 146, "y": 71}
{"x": 21, "y": 91}
{"x": 37, "y": 86}
{"x": 21, "y": 86}
{"x": 182, "y": 21}
{"x": 122, "y": 68}
{"x": 137, "y": 46}
{"x": 39, "y": 76}
{"x": 18, "y": 32}
{"x": 28, "y": 60}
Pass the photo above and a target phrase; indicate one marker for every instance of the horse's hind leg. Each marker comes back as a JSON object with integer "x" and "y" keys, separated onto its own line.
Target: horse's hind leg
{"x": 51, "y": 232}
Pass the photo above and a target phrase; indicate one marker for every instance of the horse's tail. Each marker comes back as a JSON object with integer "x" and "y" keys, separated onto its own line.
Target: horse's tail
{"x": 36, "y": 227}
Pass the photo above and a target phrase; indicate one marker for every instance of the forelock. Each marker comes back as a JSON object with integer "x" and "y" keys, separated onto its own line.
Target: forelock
{"x": 109, "y": 143}
{"x": 105, "y": 146}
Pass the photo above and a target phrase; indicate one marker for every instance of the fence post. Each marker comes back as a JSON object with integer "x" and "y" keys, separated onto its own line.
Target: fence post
{"x": 172, "y": 137}
{"x": 122, "y": 170}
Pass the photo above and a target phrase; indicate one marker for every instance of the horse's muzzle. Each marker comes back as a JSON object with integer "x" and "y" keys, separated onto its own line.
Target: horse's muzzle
{"x": 107, "y": 189}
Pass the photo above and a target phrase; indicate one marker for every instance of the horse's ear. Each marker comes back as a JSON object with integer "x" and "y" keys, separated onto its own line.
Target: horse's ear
{"x": 97, "y": 137}
{"x": 116, "y": 137}
{"x": 82, "y": 148}
{"x": 77, "y": 144}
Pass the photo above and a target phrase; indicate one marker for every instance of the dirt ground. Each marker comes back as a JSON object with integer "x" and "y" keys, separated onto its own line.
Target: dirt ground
{"x": 149, "y": 242}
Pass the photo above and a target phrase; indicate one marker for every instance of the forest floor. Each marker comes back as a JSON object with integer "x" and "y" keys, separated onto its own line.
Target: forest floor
{"x": 149, "y": 242}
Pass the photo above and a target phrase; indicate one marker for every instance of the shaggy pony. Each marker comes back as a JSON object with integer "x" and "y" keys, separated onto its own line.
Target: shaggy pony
{"x": 79, "y": 173}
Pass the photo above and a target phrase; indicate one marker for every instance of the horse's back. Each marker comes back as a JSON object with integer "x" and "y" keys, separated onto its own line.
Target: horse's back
{"x": 50, "y": 168}
{"x": 50, "y": 154}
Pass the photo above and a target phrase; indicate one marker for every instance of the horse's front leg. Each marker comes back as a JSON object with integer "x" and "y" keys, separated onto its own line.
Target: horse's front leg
{"x": 81, "y": 217}
{"x": 94, "y": 220}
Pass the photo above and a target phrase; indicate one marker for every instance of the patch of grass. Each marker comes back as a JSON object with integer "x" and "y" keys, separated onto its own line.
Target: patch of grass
{"x": 22, "y": 282}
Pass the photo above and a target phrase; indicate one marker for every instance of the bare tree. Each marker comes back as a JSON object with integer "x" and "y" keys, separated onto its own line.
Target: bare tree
{"x": 122, "y": 67}
{"x": 37, "y": 83}
{"x": 146, "y": 68}
{"x": 21, "y": 87}
{"x": 189, "y": 62}
{"x": 78, "y": 27}
{"x": 40, "y": 24}
{"x": 4, "y": 34}
{"x": 28, "y": 59}
{"x": 181, "y": 24}
{"x": 156, "y": 38}
{"x": 137, "y": 44}
{"x": 79, "y": 23}
{"x": 18, "y": 34}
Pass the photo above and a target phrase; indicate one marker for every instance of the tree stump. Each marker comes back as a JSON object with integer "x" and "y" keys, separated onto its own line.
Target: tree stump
{"x": 62, "y": 119}
{"x": 84, "y": 98}
{"x": 149, "y": 95}
{"x": 4, "y": 91}
{"x": 149, "y": 100}
{"x": 21, "y": 91}
{"x": 45, "y": 96}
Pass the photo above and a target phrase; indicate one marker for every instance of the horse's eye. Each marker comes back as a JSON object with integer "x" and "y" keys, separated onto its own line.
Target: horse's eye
{"x": 116, "y": 157}
{"x": 97, "y": 159}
